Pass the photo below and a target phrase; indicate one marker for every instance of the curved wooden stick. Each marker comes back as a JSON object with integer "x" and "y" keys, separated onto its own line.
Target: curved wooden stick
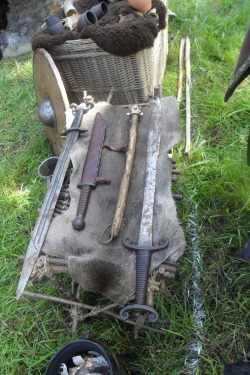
{"x": 125, "y": 182}
{"x": 115, "y": 227}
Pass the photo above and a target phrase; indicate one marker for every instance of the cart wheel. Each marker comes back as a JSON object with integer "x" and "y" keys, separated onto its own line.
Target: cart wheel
{"x": 53, "y": 105}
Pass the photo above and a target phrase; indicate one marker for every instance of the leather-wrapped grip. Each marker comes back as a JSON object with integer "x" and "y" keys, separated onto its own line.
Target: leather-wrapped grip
{"x": 79, "y": 222}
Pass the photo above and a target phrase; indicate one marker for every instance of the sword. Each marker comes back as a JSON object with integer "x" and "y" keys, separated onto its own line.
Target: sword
{"x": 89, "y": 177}
{"x": 145, "y": 247}
{"x": 45, "y": 214}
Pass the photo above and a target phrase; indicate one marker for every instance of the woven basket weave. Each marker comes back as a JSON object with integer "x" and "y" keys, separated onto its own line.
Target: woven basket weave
{"x": 119, "y": 80}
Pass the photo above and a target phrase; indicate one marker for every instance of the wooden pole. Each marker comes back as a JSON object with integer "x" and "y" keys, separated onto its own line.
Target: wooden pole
{"x": 188, "y": 100}
{"x": 181, "y": 70}
{"x": 88, "y": 307}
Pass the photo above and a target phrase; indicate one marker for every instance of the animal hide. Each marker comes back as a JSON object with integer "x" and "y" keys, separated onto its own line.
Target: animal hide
{"x": 24, "y": 19}
{"x": 109, "y": 268}
{"x": 117, "y": 38}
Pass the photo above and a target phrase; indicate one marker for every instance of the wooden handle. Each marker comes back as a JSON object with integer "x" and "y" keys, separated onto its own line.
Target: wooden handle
{"x": 125, "y": 182}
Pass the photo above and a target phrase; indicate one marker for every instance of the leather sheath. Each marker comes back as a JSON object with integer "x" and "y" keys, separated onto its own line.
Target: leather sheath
{"x": 93, "y": 157}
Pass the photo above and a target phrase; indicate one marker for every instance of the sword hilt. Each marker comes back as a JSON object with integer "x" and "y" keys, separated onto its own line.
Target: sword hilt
{"x": 79, "y": 222}
{"x": 143, "y": 261}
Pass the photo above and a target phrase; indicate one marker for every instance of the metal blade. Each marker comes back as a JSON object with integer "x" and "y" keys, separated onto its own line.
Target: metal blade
{"x": 43, "y": 221}
{"x": 153, "y": 149}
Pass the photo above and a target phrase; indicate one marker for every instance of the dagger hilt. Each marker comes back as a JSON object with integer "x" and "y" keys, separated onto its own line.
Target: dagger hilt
{"x": 79, "y": 222}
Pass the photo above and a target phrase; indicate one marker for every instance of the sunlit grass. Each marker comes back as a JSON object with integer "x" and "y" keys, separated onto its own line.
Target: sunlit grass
{"x": 216, "y": 177}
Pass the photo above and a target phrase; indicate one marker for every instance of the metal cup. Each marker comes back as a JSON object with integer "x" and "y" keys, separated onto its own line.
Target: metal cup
{"x": 81, "y": 347}
{"x": 100, "y": 10}
{"x": 46, "y": 169}
{"x": 87, "y": 18}
{"x": 54, "y": 25}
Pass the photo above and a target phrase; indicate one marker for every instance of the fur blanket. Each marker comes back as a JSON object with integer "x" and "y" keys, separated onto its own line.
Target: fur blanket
{"x": 117, "y": 38}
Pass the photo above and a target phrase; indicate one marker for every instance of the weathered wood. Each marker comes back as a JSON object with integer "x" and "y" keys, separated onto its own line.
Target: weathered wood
{"x": 181, "y": 70}
{"x": 87, "y": 307}
{"x": 188, "y": 100}
{"x": 117, "y": 223}
{"x": 49, "y": 85}
{"x": 123, "y": 192}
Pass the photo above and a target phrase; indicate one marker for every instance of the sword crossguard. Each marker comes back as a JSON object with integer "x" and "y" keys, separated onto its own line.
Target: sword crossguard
{"x": 152, "y": 317}
{"x": 163, "y": 243}
{"x": 70, "y": 130}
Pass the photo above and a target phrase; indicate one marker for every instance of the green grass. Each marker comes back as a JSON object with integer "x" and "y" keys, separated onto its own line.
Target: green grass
{"x": 215, "y": 182}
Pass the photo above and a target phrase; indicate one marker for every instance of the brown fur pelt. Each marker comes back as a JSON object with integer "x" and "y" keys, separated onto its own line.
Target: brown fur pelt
{"x": 117, "y": 38}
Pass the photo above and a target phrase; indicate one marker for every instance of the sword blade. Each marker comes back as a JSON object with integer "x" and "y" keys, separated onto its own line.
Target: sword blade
{"x": 153, "y": 149}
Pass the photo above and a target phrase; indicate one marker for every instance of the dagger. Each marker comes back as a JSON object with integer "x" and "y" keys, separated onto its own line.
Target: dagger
{"x": 89, "y": 178}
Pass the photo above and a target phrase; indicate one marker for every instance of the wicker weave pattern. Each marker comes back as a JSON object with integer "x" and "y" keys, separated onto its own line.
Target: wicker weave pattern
{"x": 120, "y": 80}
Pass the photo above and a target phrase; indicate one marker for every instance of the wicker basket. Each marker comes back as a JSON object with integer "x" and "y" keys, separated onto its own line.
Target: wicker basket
{"x": 119, "y": 80}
